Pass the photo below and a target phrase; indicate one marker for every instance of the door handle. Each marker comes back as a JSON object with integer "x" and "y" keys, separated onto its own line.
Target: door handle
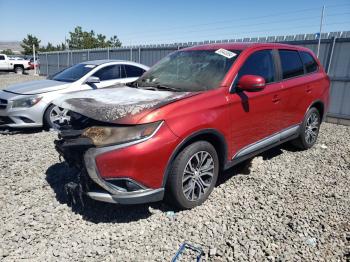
{"x": 308, "y": 89}
{"x": 276, "y": 99}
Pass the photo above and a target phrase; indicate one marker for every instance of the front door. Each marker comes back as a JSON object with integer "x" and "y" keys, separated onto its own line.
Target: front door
{"x": 256, "y": 116}
{"x": 3, "y": 63}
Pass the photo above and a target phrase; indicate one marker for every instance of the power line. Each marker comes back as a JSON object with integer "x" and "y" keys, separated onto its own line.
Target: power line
{"x": 230, "y": 20}
{"x": 166, "y": 30}
{"x": 238, "y": 35}
{"x": 227, "y": 27}
{"x": 242, "y": 26}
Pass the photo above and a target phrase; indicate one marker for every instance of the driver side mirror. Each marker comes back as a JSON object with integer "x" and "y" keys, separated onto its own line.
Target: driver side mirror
{"x": 251, "y": 83}
{"x": 92, "y": 80}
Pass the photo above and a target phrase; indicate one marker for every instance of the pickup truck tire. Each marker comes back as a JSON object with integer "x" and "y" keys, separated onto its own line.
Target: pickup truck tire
{"x": 18, "y": 69}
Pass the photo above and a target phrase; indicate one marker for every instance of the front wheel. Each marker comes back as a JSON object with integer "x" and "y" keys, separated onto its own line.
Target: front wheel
{"x": 308, "y": 130}
{"x": 56, "y": 116}
{"x": 19, "y": 70}
{"x": 193, "y": 175}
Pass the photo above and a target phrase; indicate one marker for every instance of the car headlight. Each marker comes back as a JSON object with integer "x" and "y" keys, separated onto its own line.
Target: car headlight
{"x": 26, "y": 102}
{"x": 102, "y": 136}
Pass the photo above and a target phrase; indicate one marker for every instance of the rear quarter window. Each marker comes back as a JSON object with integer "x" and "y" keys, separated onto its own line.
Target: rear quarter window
{"x": 291, "y": 64}
{"x": 133, "y": 71}
{"x": 309, "y": 62}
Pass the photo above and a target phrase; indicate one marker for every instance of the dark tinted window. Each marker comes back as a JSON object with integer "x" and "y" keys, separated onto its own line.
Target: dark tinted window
{"x": 2, "y": 57}
{"x": 260, "y": 63}
{"x": 109, "y": 72}
{"x": 133, "y": 71}
{"x": 291, "y": 64}
{"x": 309, "y": 62}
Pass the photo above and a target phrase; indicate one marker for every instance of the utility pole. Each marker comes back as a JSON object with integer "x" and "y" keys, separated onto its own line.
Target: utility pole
{"x": 319, "y": 38}
{"x": 34, "y": 61}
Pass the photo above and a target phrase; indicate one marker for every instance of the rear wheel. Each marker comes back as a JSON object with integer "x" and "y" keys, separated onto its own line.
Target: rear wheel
{"x": 56, "y": 116}
{"x": 308, "y": 130}
{"x": 193, "y": 175}
{"x": 18, "y": 70}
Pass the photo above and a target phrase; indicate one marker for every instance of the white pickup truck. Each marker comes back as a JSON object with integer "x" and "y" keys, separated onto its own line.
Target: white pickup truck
{"x": 15, "y": 65}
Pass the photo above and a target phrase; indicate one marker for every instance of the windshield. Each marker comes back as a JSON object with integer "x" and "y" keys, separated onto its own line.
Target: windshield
{"x": 194, "y": 70}
{"x": 73, "y": 73}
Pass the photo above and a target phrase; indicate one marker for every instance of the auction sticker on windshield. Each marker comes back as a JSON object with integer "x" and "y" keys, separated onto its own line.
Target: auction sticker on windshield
{"x": 90, "y": 66}
{"x": 225, "y": 53}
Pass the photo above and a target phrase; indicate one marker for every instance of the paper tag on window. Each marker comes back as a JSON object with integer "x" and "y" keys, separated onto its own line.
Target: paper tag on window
{"x": 90, "y": 66}
{"x": 225, "y": 53}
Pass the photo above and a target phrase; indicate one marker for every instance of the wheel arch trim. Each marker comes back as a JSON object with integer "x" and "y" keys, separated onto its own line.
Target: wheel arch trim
{"x": 192, "y": 137}
{"x": 318, "y": 101}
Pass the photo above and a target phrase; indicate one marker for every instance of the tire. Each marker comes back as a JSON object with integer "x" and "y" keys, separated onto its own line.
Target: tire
{"x": 309, "y": 130}
{"x": 189, "y": 184}
{"x": 62, "y": 118}
{"x": 18, "y": 70}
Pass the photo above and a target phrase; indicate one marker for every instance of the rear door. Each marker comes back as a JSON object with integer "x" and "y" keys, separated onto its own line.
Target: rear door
{"x": 255, "y": 116}
{"x": 296, "y": 87}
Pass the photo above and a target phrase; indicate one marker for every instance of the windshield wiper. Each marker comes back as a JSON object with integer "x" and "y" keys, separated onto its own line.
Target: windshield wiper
{"x": 152, "y": 86}
{"x": 165, "y": 87}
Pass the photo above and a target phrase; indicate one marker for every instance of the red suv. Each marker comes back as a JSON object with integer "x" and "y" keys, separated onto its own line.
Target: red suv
{"x": 197, "y": 112}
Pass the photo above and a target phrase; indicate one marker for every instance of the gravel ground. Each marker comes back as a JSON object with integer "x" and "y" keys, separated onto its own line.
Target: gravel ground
{"x": 12, "y": 78}
{"x": 284, "y": 205}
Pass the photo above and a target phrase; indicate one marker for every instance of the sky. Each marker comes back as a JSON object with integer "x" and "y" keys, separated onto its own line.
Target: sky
{"x": 163, "y": 22}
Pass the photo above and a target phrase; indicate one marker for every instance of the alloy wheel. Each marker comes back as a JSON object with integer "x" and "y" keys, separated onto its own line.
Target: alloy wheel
{"x": 198, "y": 175}
{"x": 311, "y": 128}
{"x": 59, "y": 115}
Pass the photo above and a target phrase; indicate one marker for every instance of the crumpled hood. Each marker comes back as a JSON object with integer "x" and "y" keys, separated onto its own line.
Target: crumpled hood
{"x": 37, "y": 87}
{"x": 117, "y": 105}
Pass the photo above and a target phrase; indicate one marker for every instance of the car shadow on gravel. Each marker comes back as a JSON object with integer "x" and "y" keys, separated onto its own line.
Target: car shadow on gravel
{"x": 58, "y": 175}
{"x": 12, "y": 131}
{"x": 244, "y": 168}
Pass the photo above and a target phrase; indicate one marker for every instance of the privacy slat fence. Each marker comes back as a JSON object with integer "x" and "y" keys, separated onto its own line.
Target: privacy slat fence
{"x": 334, "y": 55}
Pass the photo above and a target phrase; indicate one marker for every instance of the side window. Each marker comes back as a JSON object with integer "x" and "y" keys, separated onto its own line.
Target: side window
{"x": 133, "y": 71}
{"x": 2, "y": 57}
{"x": 291, "y": 63}
{"x": 109, "y": 72}
{"x": 309, "y": 62}
{"x": 259, "y": 63}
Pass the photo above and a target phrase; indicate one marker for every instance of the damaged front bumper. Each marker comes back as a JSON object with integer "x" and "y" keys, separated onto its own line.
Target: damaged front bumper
{"x": 119, "y": 190}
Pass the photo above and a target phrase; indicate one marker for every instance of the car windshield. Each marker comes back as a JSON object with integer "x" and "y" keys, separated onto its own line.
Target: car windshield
{"x": 73, "y": 73}
{"x": 193, "y": 70}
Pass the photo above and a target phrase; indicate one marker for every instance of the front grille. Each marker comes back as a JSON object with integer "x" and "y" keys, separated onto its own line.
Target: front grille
{"x": 3, "y": 103}
{"x": 4, "y": 120}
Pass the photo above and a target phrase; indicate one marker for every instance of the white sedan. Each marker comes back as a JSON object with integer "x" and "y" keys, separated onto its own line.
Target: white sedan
{"x": 30, "y": 104}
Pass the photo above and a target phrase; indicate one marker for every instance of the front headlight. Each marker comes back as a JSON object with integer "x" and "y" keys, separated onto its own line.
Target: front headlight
{"x": 26, "y": 102}
{"x": 103, "y": 136}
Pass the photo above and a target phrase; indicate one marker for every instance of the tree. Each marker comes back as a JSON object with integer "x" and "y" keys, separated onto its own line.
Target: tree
{"x": 50, "y": 47}
{"x": 114, "y": 42}
{"x": 80, "y": 39}
{"x": 8, "y": 52}
{"x": 27, "y": 44}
